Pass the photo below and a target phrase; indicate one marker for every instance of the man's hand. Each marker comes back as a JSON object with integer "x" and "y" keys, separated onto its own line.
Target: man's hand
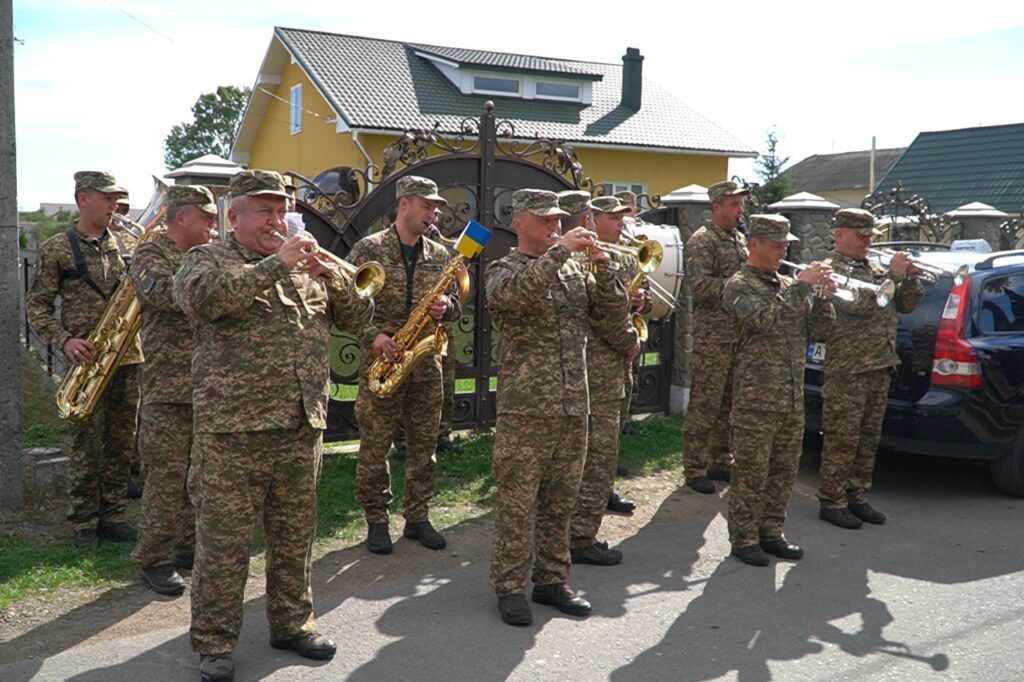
{"x": 638, "y": 299}
{"x": 633, "y": 352}
{"x": 317, "y": 268}
{"x": 816, "y": 274}
{"x": 78, "y": 351}
{"x": 385, "y": 348}
{"x": 439, "y": 307}
{"x": 296, "y": 249}
{"x": 578, "y": 239}
{"x": 900, "y": 264}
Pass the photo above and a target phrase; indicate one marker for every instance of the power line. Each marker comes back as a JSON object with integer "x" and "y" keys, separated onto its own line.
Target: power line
{"x": 140, "y": 21}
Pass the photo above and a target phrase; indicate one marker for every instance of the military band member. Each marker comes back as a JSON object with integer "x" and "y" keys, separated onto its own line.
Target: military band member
{"x": 713, "y": 254}
{"x": 413, "y": 263}
{"x": 82, "y": 267}
{"x": 544, "y": 305}
{"x": 607, "y": 370}
{"x": 167, "y": 525}
{"x": 260, "y": 374}
{"x": 859, "y": 356}
{"x": 774, "y": 315}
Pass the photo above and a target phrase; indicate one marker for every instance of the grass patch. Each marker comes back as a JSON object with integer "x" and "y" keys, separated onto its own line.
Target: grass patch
{"x": 464, "y": 489}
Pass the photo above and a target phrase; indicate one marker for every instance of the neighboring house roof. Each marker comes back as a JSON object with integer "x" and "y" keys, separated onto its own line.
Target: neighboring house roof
{"x": 951, "y": 168}
{"x": 390, "y": 86}
{"x": 848, "y": 170}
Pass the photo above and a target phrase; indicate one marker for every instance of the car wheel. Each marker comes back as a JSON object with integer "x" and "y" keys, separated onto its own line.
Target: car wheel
{"x": 1008, "y": 470}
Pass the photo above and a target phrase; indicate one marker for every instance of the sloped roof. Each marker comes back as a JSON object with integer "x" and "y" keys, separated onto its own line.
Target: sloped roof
{"x": 951, "y": 168}
{"x": 848, "y": 170}
{"x": 376, "y": 84}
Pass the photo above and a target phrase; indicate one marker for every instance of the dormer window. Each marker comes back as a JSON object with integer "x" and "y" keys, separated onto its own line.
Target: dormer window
{"x": 494, "y": 85}
{"x": 554, "y": 90}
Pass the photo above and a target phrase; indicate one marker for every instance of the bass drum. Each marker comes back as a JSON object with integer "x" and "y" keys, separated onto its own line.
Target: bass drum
{"x": 670, "y": 273}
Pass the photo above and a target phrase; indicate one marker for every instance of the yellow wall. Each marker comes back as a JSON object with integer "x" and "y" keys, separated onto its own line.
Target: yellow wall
{"x": 662, "y": 172}
{"x": 318, "y": 147}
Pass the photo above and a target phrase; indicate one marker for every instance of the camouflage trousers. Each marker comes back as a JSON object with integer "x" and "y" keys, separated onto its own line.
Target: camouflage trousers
{"x": 706, "y": 430}
{"x": 417, "y": 407}
{"x": 167, "y": 526}
{"x": 101, "y": 453}
{"x": 631, "y": 369}
{"x": 766, "y": 446}
{"x": 444, "y": 428}
{"x": 598, "y": 479}
{"x": 852, "y": 422}
{"x": 536, "y": 467}
{"x": 235, "y": 480}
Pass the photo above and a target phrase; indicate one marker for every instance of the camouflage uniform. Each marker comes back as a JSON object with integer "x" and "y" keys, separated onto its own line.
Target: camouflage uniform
{"x": 859, "y": 356}
{"x": 101, "y": 445}
{"x": 167, "y": 523}
{"x": 775, "y": 316}
{"x": 260, "y": 374}
{"x": 417, "y": 403}
{"x": 713, "y": 255}
{"x": 607, "y": 369}
{"x": 545, "y": 308}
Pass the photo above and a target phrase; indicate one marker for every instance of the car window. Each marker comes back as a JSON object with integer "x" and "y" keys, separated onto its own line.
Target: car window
{"x": 1002, "y": 304}
{"x": 929, "y": 310}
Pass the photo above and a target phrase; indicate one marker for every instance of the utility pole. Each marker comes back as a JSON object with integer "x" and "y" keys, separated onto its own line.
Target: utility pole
{"x": 11, "y": 463}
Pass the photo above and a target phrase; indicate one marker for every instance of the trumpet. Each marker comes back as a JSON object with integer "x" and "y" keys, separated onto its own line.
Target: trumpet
{"x": 848, "y": 288}
{"x": 923, "y": 271}
{"x": 366, "y": 280}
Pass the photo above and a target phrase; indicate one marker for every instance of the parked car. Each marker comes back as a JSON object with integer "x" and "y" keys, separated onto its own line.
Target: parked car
{"x": 959, "y": 391}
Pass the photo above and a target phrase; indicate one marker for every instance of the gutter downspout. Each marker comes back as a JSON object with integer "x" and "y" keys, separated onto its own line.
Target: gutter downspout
{"x": 369, "y": 161}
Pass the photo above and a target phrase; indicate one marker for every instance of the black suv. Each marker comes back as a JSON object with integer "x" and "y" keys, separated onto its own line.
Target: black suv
{"x": 959, "y": 391}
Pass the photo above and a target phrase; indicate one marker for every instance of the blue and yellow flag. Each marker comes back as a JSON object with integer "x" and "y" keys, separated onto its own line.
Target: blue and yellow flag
{"x": 473, "y": 239}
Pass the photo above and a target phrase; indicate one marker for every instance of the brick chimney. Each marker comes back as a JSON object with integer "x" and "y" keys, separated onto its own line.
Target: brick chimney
{"x": 632, "y": 78}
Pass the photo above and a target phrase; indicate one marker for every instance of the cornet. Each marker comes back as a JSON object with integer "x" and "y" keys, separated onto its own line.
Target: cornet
{"x": 923, "y": 271}
{"x": 847, "y": 288}
{"x": 366, "y": 280}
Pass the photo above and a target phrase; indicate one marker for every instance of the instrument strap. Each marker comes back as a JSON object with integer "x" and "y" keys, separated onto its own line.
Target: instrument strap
{"x": 81, "y": 270}
{"x": 126, "y": 254}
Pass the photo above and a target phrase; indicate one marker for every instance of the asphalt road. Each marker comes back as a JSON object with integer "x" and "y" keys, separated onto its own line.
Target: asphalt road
{"x": 934, "y": 594}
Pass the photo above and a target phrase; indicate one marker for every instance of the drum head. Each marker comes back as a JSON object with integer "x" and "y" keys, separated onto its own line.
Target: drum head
{"x": 670, "y": 273}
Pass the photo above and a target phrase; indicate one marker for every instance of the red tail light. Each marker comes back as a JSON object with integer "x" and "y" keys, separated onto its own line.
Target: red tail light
{"x": 956, "y": 362}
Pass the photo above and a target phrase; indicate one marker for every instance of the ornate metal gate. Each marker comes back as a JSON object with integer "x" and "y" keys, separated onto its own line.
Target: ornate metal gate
{"x": 477, "y": 171}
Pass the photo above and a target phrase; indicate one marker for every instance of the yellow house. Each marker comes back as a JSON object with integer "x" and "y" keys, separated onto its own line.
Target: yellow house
{"x": 323, "y": 100}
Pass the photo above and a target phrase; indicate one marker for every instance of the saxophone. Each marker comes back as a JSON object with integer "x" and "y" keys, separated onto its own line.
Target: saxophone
{"x": 415, "y": 340}
{"x": 83, "y": 385}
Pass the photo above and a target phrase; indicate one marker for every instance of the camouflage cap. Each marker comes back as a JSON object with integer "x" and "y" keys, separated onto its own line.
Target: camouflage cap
{"x": 608, "y": 205}
{"x": 99, "y": 181}
{"x": 726, "y": 188}
{"x": 856, "y": 219}
{"x": 770, "y": 226}
{"x": 191, "y": 195}
{"x": 539, "y": 202}
{"x": 122, "y": 198}
{"x": 415, "y": 186}
{"x": 256, "y": 182}
{"x": 626, "y": 197}
{"x": 574, "y": 201}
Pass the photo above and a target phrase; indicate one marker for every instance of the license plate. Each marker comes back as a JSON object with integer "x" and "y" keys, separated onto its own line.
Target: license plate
{"x": 816, "y": 353}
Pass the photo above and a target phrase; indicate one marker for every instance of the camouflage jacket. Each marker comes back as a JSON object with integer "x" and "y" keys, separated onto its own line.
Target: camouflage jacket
{"x": 606, "y": 364}
{"x": 167, "y": 376}
{"x": 774, "y": 317}
{"x": 403, "y": 288}
{"x": 863, "y": 337}
{"x": 80, "y": 306}
{"x": 262, "y": 337}
{"x": 712, "y": 256}
{"x": 545, "y": 308}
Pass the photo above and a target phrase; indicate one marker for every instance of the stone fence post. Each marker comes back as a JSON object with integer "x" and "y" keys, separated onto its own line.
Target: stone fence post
{"x": 810, "y": 218}
{"x": 979, "y": 221}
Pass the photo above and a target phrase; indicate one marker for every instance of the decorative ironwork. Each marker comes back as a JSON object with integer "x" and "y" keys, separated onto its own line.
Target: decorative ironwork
{"x": 1010, "y": 231}
{"x": 477, "y": 171}
{"x": 910, "y": 218}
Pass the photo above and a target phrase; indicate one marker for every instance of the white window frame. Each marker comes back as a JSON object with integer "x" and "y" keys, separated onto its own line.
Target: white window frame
{"x": 295, "y": 109}
{"x": 501, "y": 93}
{"x": 617, "y": 187}
{"x": 557, "y": 98}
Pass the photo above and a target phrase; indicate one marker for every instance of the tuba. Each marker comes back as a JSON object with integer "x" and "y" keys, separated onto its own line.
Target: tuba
{"x": 83, "y": 385}
{"x": 384, "y": 376}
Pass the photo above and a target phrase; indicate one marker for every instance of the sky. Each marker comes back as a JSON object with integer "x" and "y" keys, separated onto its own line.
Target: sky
{"x": 100, "y": 83}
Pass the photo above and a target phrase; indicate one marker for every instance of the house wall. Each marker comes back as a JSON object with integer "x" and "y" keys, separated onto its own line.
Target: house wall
{"x": 318, "y": 146}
